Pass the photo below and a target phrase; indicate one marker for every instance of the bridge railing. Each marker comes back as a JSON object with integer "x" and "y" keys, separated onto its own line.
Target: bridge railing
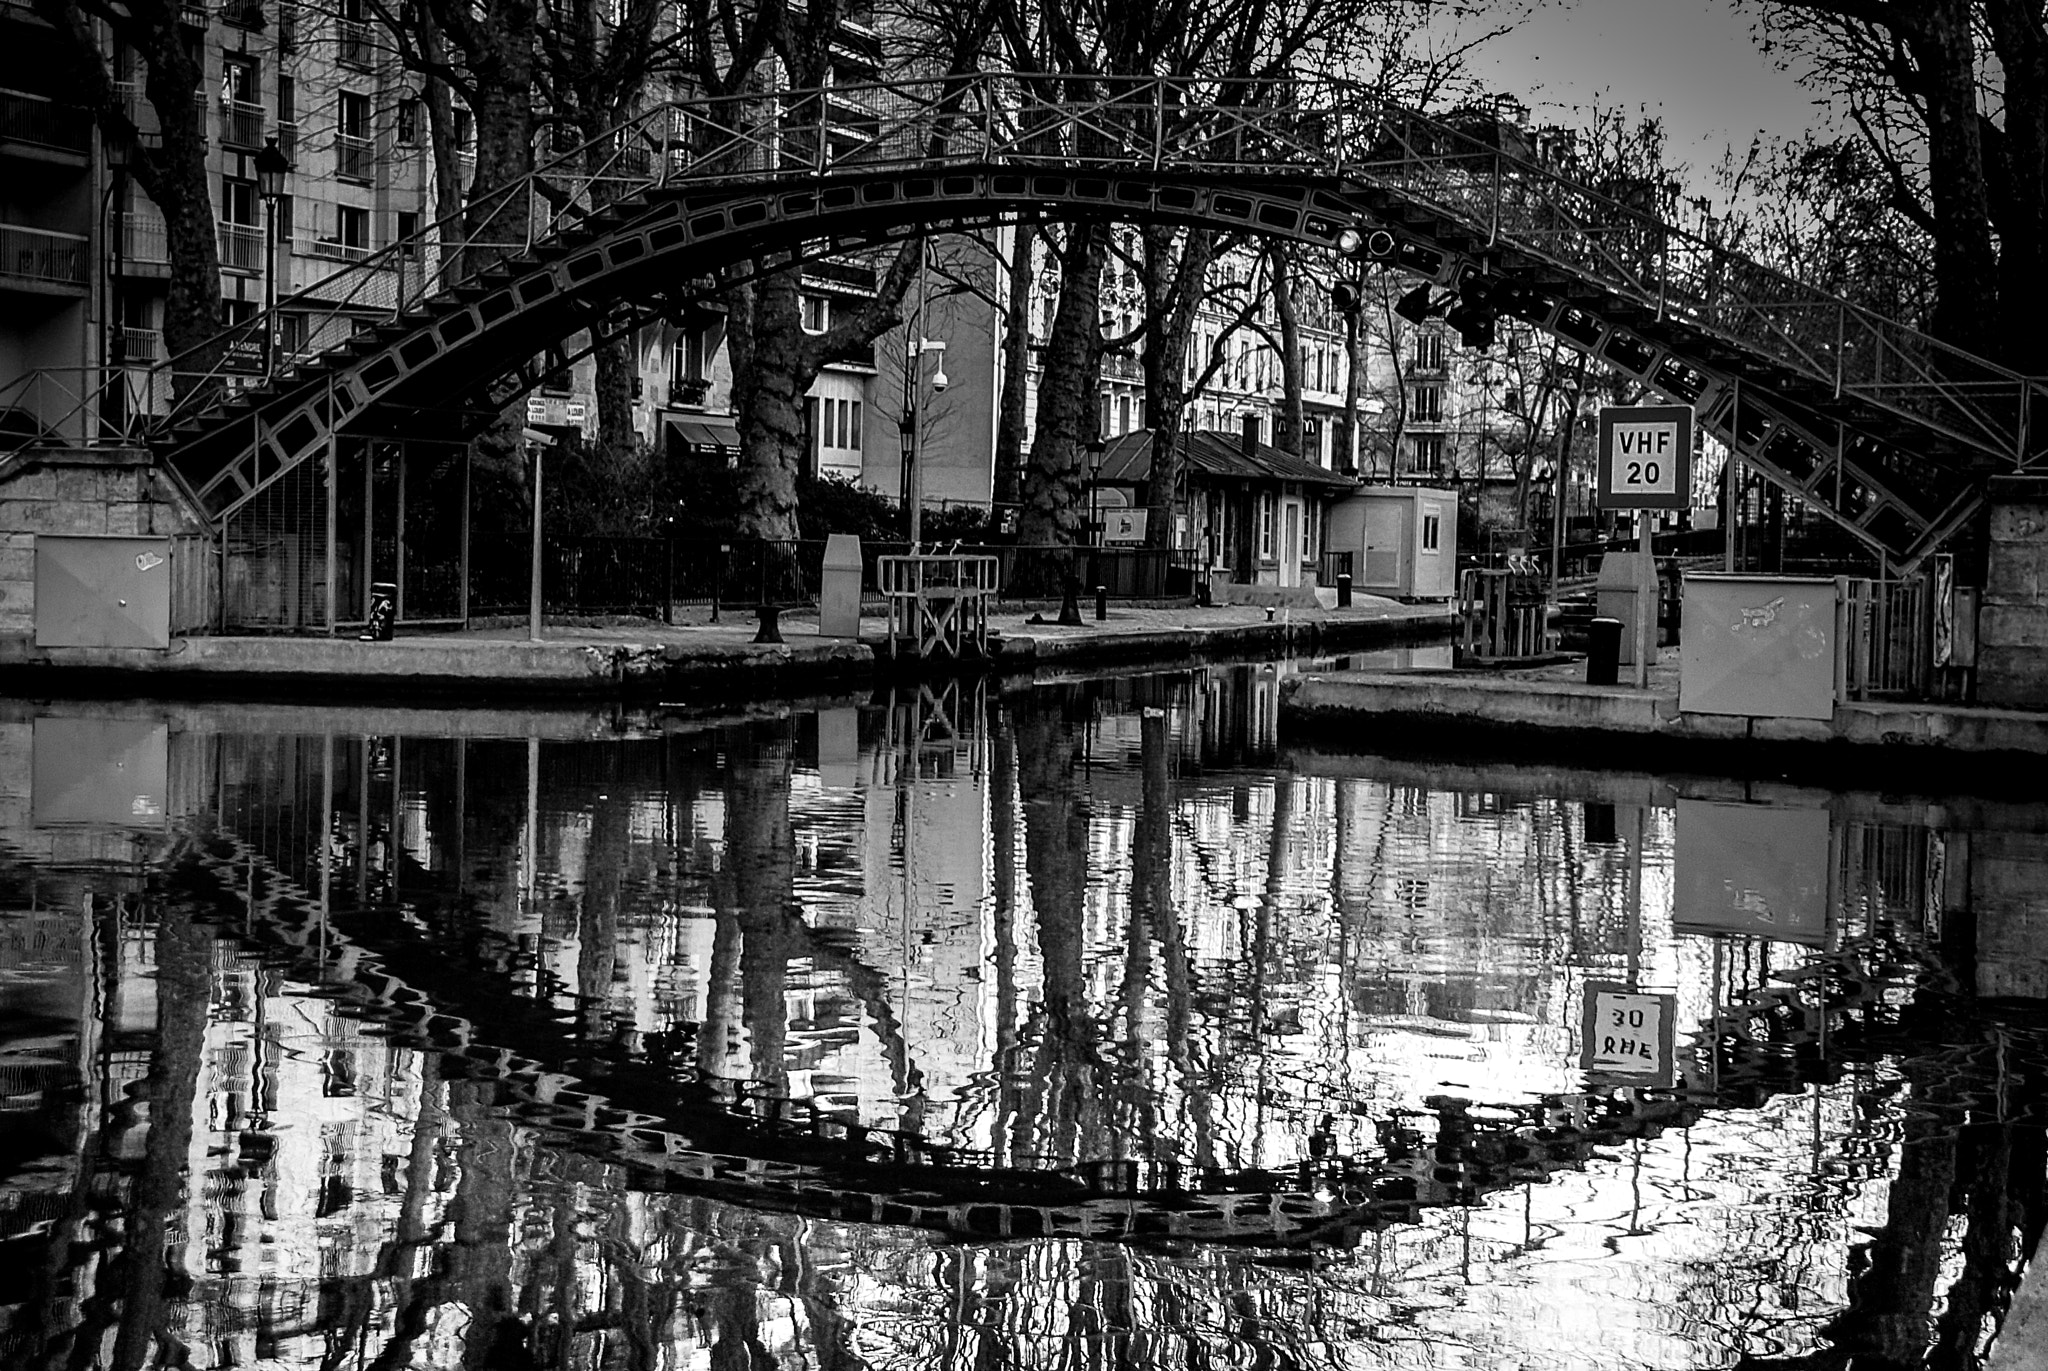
{"x": 1328, "y": 127}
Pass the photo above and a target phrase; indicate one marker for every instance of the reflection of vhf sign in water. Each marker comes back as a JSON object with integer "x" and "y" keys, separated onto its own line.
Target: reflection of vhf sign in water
{"x": 1645, "y": 457}
{"x": 1625, "y": 1035}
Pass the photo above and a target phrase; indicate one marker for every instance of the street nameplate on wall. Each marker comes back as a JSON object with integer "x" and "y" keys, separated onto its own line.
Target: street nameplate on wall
{"x": 1626, "y": 1035}
{"x": 1645, "y": 457}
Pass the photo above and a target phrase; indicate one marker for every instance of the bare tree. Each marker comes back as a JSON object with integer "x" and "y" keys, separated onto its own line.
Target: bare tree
{"x": 172, "y": 171}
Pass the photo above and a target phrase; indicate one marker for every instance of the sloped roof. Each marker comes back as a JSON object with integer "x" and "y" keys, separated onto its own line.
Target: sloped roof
{"x": 1128, "y": 459}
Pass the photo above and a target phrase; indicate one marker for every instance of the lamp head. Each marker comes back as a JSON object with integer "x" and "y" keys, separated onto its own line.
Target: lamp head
{"x": 272, "y": 166}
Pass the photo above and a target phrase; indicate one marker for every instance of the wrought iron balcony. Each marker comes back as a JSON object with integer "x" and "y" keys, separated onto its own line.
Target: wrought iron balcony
{"x": 352, "y": 42}
{"x": 40, "y": 122}
{"x": 42, "y": 257}
{"x": 241, "y": 247}
{"x": 353, "y": 157}
{"x": 241, "y": 124}
{"x": 144, "y": 240}
{"x": 138, "y": 344}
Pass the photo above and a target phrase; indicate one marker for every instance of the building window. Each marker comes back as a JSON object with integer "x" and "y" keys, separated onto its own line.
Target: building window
{"x": 352, "y": 136}
{"x": 1428, "y": 405}
{"x": 1429, "y": 452}
{"x": 817, "y": 313}
{"x": 352, "y": 230}
{"x": 408, "y": 227}
{"x": 465, "y": 133}
{"x": 1432, "y": 528}
{"x": 407, "y": 130}
{"x": 1123, "y": 414}
{"x": 1269, "y": 505}
{"x": 1429, "y": 351}
{"x": 281, "y": 215}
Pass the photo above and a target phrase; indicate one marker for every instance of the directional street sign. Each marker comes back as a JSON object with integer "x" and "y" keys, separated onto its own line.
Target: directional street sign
{"x": 1645, "y": 457}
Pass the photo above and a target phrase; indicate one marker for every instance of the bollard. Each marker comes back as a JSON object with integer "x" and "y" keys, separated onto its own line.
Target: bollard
{"x": 1269, "y": 614}
{"x": 1343, "y": 590}
{"x": 1101, "y": 603}
{"x": 771, "y": 623}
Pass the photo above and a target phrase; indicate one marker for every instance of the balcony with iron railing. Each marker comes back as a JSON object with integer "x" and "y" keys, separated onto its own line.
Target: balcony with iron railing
{"x": 138, "y": 344}
{"x": 197, "y": 13}
{"x": 145, "y": 243}
{"x": 352, "y": 42}
{"x": 38, "y": 127}
{"x": 41, "y": 261}
{"x": 335, "y": 248}
{"x": 247, "y": 14}
{"x": 353, "y": 157}
{"x": 241, "y": 124}
{"x": 288, "y": 139}
{"x": 241, "y": 247}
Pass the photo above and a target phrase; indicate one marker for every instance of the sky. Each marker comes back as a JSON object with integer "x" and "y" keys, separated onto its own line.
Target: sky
{"x": 1691, "y": 61}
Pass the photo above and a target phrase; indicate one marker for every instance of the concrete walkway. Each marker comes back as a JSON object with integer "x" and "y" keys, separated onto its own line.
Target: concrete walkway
{"x": 686, "y": 661}
{"x": 1551, "y": 709}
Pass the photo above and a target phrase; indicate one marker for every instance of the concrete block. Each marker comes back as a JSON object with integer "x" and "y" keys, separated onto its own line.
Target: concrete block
{"x": 2018, "y": 523}
{"x": 2013, "y": 677}
{"x": 17, "y": 606}
{"x": 127, "y": 518}
{"x": 2003, "y": 626}
{"x": 2017, "y": 574}
{"x": 82, "y": 485}
{"x": 51, "y": 516}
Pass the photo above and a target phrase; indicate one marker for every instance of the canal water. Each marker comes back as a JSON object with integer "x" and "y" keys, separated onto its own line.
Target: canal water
{"x": 1093, "y": 1025}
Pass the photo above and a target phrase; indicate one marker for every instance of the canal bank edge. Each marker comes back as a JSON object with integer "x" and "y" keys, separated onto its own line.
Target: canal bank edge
{"x": 1459, "y": 713}
{"x": 726, "y": 666}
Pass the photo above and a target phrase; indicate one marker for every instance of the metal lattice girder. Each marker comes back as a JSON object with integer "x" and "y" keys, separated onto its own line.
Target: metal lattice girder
{"x": 1883, "y": 428}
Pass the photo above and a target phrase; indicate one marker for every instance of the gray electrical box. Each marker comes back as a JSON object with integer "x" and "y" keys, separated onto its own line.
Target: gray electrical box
{"x": 103, "y": 591}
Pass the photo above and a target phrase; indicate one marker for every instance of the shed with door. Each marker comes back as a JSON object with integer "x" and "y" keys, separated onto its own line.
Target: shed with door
{"x": 1403, "y": 541}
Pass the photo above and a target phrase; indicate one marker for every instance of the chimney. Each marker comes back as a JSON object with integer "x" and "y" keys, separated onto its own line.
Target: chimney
{"x": 1250, "y": 445}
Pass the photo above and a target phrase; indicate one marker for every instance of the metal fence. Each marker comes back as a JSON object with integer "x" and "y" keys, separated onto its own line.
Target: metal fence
{"x": 655, "y": 577}
{"x": 1888, "y": 633}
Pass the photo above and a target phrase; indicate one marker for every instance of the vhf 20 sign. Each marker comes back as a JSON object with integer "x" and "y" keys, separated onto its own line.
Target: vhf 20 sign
{"x": 1645, "y": 457}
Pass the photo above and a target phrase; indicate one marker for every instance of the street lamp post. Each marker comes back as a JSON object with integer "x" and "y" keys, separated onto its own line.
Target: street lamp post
{"x": 1097, "y": 451}
{"x": 272, "y": 166}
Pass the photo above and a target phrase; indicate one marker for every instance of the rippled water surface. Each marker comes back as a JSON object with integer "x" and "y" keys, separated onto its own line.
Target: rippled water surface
{"x": 1087, "y": 1026}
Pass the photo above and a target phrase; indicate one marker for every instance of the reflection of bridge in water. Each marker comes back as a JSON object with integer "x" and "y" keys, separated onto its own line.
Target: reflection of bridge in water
{"x": 739, "y": 1142}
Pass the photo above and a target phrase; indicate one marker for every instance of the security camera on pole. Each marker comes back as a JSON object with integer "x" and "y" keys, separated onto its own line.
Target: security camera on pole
{"x": 1645, "y": 464}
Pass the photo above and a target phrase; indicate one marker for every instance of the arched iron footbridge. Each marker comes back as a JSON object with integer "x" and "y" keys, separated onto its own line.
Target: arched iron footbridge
{"x": 1884, "y": 429}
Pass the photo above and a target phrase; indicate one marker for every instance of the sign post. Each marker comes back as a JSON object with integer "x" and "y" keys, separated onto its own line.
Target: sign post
{"x": 1626, "y": 1035}
{"x": 1645, "y": 464}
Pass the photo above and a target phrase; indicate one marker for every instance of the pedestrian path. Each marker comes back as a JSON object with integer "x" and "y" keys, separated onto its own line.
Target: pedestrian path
{"x": 690, "y": 660}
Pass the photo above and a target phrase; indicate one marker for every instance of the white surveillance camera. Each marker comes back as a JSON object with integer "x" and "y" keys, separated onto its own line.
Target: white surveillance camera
{"x": 938, "y": 380}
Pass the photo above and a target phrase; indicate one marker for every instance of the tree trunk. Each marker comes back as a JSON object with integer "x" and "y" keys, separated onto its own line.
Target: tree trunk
{"x": 1066, "y": 395}
{"x": 1293, "y": 422}
{"x": 1965, "y": 260}
{"x": 1009, "y": 473}
{"x": 1346, "y": 446}
{"x": 1174, "y": 288}
{"x": 766, "y": 337}
{"x": 2021, "y": 210}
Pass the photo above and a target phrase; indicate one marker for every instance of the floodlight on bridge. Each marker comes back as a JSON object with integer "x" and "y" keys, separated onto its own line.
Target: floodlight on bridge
{"x": 1372, "y": 244}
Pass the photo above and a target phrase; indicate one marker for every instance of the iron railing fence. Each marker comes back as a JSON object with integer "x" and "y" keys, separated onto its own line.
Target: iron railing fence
{"x": 1888, "y": 632}
{"x": 39, "y": 120}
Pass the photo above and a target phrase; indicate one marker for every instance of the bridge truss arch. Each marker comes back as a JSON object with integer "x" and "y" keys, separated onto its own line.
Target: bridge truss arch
{"x": 1883, "y": 429}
